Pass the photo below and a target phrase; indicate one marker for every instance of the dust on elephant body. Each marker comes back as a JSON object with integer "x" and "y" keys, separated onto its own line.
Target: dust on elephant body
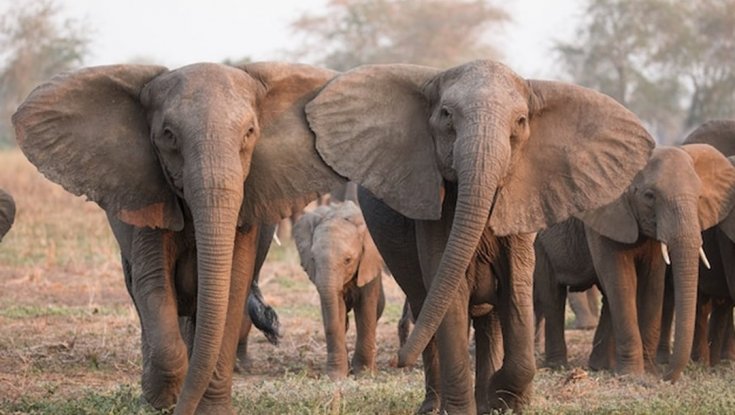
{"x": 340, "y": 258}
{"x": 517, "y": 155}
{"x": 206, "y": 149}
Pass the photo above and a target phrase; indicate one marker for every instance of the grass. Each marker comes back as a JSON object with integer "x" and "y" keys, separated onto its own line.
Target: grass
{"x": 70, "y": 337}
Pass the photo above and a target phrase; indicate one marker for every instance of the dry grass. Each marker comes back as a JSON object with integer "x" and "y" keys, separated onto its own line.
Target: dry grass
{"x": 69, "y": 336}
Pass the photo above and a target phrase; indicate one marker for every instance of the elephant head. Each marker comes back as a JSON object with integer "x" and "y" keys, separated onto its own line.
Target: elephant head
{"x": 677, "y": 195}
{"x": 7, "y": 213}
{"x": 231, "y": 143}
{"x": 524, "y": 154}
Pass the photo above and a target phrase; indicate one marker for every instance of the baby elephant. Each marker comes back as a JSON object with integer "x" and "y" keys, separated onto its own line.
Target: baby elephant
{"x": 342, "y": 261}
{"x": 7, "y": 213}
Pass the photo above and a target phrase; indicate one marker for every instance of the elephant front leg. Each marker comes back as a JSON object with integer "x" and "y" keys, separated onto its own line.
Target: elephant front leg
{"x": 603, "y": 344}
{"x": 368, "y": 310}
{"x": 452, "y": 338}
{"x": 651, "y": 273}
{"x": 488, "y": 356}
{"x": 218, "y": 397}
{"x": 510, "y": 386}
{"x": 150, "y": 283}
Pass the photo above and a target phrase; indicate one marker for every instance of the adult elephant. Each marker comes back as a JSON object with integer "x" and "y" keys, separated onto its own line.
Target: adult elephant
{"x": 202, "y": 153}
{"x": 680, "y": 192}
{"x": 7, "y": 213}
{"x": 340, "y": 258}
{"x": 460, "y": 168}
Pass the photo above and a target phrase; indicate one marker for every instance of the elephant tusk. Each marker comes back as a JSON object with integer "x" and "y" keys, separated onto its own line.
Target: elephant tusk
{"x": 703, "y": 257}
{"x": 665, "y": 253}
{"x": 275, "y": 237}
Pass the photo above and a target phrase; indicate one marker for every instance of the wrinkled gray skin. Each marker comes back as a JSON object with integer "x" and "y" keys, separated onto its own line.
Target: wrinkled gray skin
{"x": 342, "y": 261}
{"x": 207, "y": 152}
{"x": 679, "y": 192}
{"x": 471, "y": 162}
{"x": 716, "y": 285}
{"x": 7, "y": 213}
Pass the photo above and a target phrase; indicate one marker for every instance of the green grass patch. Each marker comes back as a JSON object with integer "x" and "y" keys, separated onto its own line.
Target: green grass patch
{"x": 122, "y": 401}
{"x": 34, "y": 311}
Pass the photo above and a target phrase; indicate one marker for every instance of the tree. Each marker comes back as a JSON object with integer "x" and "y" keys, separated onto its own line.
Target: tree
{"x": 672, "y": 62}
{"x": 35, "y": 44}
{"x": 438, "y": 33}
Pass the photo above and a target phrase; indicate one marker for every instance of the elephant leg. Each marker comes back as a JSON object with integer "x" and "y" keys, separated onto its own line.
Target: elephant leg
{"x": 663, "y": 352}
{"x": 488, "y": 356}
{"x": 603, "y": 344}
{"x": 368, "y": 309}
{"x": 717, "y": 329}
{"x": 593, "y": 302}
{"x": 452, "y": 339}
{"x": 404, "y": 324}
{"x": 242, "y": 344}
{"x": 165, "y": 359}
{"x": 510, "y": 386}
{"x": 700, "y": 345}
{"x": 728, "y": 346}
{"x": 616, "y": 270}
{"x": 552, "y": 299}
{"x": 650, "y": 297}
{"x": 583, "y": 317}
{"x": 218, "y": 397}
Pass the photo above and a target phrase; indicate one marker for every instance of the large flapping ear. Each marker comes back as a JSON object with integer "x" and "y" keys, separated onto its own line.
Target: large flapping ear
{"x": 583, "y": 151}
{"x": 88, "y": 131}
{"x": 717, "y": 175}
{"x": 728, "y": 223}
{"x": 720, "y": 134}
{"x": 371, "y": 263}
{"x": 614, "y": 220}
{"x": 371, "y": 125}
{"x": 303, "y": 235}
{"x": 286, "y": 172}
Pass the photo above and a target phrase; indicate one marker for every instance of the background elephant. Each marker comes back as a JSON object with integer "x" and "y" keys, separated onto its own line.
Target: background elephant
{"x": 7, "y": 213}
{"x": 459, "y": 168}
{"x": 342, "y": 261}
{"x": 623, "y": 247}
{"x": 586, "y": 307}
{"x": 172, "y": 153}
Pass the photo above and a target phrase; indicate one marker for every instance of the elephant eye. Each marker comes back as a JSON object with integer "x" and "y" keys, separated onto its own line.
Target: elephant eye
{"x": 169, "y": 137}
{"x": 348, "y": 260}
{"x": 521, "y": 121}
{"x": 250, "y": 132}
{"x": 445, "y": 113}
{"x": 649, "y": 195}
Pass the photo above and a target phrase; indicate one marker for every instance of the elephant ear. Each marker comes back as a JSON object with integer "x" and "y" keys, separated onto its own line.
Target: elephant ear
{"x": 303, "y": 234}
{"x": 583, "y": 151}
{"x": 88, "y": 131}
{"x": 718, "y": 133}
{"x": 717, "y": 175}
{"x": 371, "y": 263}
{"x": 286, "y": 172}
{"x": 7, "y": 213}
{"x": 728, "y": 224}
{"x": 614, "y": 220}
{"x": 371, "y": 125}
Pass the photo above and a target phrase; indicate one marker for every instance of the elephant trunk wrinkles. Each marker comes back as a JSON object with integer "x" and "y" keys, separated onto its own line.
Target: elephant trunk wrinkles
{"x": 215, "y": 196}
{"x": 481, "y": 157}
{"x": 684, "y": 252}
{"x": 333, "y": 316}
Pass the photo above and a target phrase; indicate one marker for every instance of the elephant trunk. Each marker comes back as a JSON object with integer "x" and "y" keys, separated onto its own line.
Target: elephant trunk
{"x": 215, "y": 194}
{"x": 684, "y": 254}
{"x": 333, "y": 316}
{"x": 481, "y": 157}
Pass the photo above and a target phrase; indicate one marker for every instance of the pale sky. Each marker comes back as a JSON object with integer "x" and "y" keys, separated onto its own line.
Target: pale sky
{"x": 179, "y": 32}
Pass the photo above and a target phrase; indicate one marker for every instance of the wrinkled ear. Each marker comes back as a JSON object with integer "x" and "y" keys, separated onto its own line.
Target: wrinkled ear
{"x": 371, "y": 125}
{"x": 286, "y": 172}
{"x": 583, "y": 151}
{"x": 717, "y": 175}
{"x": 87, "y": 131}
{"x": 371, "y": 263}
{"x": 303, "y": 234}
{"x": 614, "y": 220}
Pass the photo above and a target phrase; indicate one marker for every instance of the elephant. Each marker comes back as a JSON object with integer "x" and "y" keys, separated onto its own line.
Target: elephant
{"x": 340, "y": 258}
{"x": 623, "y": 247}
{"x": 204, "y": 153}
{"x": 586, "y": 307}
{"x": 458, "y": 169}
{"x": 717, "y": 282}
{"x": 7, "y": 213}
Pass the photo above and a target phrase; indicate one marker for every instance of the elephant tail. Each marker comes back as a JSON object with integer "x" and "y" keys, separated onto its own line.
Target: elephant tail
{"x": 263, "y": 316}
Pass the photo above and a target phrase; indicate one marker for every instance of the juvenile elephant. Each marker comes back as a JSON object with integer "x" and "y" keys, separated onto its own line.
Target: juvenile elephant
{"x": 203, "y": 153}
{"x": 7, "y": 213}
{"x": 460, "y": 167}
{"x": 624, "y": 247}
{"x": 342, "y": 261}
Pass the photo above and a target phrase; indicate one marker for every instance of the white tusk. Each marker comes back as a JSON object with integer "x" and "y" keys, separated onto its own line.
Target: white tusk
{"x": 275, "y": 238}
{"x": 703, "y": 257}
{"x": 665, "y": 253}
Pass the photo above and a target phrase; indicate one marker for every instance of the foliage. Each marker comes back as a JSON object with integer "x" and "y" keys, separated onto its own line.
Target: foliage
{"x": 438, "y": 33}
{"x": 670, "y": 61}
{"x": 36, "y": 44}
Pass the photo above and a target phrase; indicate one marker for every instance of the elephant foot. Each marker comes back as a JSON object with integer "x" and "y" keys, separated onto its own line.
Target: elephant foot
{"x": 430, "y": 405}
{"x": 161, "y": 390}
{"x": 207, "y": 407}
{"x": 243, "y": 364}
{"x": 662, "y": 356}
{"x": 362, "y": 367}
{"x": 556, "y": 363}
{"x": 504, "y": 400}
{"x": 635, "y": 369}
{"x": 585, "y": 324}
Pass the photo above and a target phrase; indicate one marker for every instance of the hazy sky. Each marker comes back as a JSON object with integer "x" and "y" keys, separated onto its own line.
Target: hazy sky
{"x": 178, "y": 32}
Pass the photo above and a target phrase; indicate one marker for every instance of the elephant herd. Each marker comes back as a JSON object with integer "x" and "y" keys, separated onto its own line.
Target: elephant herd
{"x": 459, "y": 169}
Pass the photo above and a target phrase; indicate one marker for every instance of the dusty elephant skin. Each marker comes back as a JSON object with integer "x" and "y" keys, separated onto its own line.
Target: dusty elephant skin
{"x": 623, "y": 246}
{"x": 7, "y": 213}
{"x": 516, "y": 155}
{"x": 206, "y": 150}
{"x": 342, "y": 261}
